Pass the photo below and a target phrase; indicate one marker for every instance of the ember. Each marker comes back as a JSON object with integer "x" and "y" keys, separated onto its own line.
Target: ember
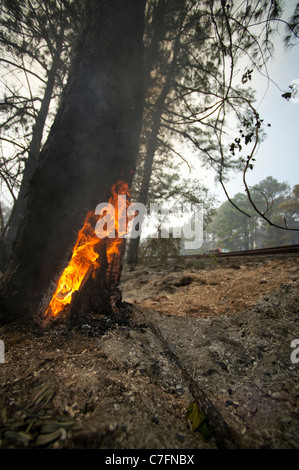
{"x": 86, "y": 251}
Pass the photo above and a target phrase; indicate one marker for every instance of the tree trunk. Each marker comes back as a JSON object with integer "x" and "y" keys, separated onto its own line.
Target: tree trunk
{"x": 132, "y": 255}
{"x": 19, "y": 207}
{"x": 92, "y": 144}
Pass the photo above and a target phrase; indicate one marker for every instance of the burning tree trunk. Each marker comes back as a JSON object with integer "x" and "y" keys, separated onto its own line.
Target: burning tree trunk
{"x": 93, "y": 144}
{"x": 97, "y": 257}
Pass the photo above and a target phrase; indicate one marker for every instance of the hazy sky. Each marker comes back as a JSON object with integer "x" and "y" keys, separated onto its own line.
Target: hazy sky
{"x": 278, "y": 155}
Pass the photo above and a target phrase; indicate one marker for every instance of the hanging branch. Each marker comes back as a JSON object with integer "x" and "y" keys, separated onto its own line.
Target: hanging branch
{"x": 250, "y": 158}
{"x": 261, "y": 214}
{"x": 175, "y": 152}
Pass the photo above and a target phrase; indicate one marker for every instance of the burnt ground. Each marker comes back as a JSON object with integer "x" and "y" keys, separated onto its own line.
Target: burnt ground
{"x": 213, "y": 332}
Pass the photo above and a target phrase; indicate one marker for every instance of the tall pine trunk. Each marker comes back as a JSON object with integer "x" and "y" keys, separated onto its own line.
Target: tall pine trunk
{"x": 92, "y": 144}
{"x": 151, "y": 146}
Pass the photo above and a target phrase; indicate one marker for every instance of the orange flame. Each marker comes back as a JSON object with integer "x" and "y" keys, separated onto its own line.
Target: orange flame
{"x": 85, "y": 252}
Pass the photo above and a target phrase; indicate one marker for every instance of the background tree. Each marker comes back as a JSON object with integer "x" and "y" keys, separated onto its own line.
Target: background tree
{"x": 233, "y": 230}
{"x": 290, "y": 207}
{"x": 195, "y": 91}
{"x": 160, "y": 249}
{"x": 36, "y": 42}
{"x": 175, "y": 196}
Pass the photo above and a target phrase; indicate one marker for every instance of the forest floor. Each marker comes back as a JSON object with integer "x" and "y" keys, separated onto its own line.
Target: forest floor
{"x": 213, "y": 332}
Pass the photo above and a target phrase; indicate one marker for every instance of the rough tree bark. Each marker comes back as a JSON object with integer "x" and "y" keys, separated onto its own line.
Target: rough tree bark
{"x": 92, "y": 144}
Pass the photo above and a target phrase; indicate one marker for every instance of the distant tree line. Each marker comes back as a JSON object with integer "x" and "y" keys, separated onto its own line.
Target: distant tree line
{"x": 232, "y": 230}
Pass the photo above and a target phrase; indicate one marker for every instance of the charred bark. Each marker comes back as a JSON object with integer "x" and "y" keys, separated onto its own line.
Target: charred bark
{"x": 92, "y": 144}
{"x": 93, "y": 296}
{"x": 113, "y": 275}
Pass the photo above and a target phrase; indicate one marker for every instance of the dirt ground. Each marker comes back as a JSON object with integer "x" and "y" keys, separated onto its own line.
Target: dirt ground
{"x": 206, "y": 287}
{"x": 213, "y": 332}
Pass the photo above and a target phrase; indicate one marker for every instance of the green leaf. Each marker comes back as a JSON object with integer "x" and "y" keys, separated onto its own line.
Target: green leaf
{"x": 197, "y": 420}
{"x": 195, "y": 417}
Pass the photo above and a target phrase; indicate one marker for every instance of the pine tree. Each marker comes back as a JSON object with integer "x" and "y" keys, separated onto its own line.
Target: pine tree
{"x": 92, "y": 145}
{"x": 36, "y": 41}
